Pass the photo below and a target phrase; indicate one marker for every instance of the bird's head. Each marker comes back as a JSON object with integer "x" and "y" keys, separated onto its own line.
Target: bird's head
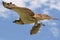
{"x": 44, "y": 16}
{"x": 8, "y": 5}
{"x": 47, "y": 17}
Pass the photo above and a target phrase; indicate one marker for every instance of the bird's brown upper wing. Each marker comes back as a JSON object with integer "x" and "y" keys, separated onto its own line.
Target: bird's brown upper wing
{"x": 25, "y": 14}
{"x": 28, "y": 11}
{"x": 10, "y": 5}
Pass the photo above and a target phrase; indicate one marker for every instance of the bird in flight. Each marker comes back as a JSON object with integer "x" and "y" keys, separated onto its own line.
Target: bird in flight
{"x": 27, "y": 16}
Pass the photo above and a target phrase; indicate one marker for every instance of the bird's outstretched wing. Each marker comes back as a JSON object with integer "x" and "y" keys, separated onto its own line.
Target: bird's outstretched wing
{"x": 11, "y": 6}
{"x": 25, "y": 14}
{"x": 35, "y": 28}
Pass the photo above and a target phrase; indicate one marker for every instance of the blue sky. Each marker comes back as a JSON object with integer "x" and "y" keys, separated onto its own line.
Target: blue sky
{"x": 12, "y": 31}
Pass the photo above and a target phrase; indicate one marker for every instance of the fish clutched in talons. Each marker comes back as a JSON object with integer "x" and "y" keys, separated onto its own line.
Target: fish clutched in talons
{"x": 36, "y": 28}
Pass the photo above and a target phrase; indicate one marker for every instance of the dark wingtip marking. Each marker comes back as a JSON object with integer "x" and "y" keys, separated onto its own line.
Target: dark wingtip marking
{"x": 55, "y": 19}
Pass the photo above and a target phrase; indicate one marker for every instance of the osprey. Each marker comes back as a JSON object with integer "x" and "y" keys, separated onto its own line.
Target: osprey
{"x": 27, "y": 16}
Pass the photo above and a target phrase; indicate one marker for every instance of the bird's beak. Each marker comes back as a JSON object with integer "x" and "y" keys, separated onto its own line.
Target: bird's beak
{"x": 54, "y": 19}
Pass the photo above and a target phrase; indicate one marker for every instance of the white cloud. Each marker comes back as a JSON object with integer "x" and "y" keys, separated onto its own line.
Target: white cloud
{"x": 3, "y": 15}
{"x": 2, "y": 10}
{"x": 50, "y": 23}
{"x": 44, "y": 21}
{"x": 54, "y": 31}
{"x": 45, "y": 11}
{"x": 34, "y": 4}
{"x": 54, "y": 4}
{"x": 54, "y": 23}
{"x": 43, "y": 1}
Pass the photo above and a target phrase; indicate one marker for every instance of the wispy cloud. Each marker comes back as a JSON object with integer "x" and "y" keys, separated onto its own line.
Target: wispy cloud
{"x": 52, "y": 23}
{"x": 54, "y": 31}
{"x": 45, "y": 11}
{"x": 3, "y": 15}
{"x": 49, "y": 22}
{"x": 54, "y": 4}
{"x": 2, "y": 10}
